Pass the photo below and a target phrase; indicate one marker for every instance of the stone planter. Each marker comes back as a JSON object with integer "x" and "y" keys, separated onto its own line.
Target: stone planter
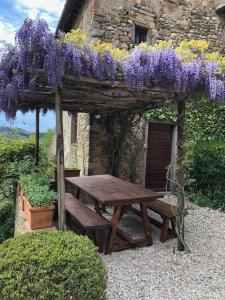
{"x": 38, "y": 217}
{"x": 68, "y": 173}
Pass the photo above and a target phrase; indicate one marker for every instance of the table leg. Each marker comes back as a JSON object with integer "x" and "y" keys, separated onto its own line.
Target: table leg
{"x": 147, "y": 226}
{"x": 78, "y": 193}
{"x": 115, "y": 223}
{"x": 97, "y": 207}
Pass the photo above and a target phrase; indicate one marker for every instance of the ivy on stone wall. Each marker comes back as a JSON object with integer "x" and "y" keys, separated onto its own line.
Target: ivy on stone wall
{"x": 204, "y": 121}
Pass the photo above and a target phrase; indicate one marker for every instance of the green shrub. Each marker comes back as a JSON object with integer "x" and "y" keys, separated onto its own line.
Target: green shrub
{"x": 206, "y": 174}
{"x": 36, "y": 188}
{"x": 51, "y": 265}
{"x": 12, "y": 151}
{"x": 207, "y": 166}
{"x": 214, "y": 199}
{"x": 6, "y": 220}
{"x": 16, "y": 157}
{"x": 6, "y": 208}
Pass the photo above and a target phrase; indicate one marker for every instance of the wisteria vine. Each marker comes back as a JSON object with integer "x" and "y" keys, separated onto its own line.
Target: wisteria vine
{"x": 37, "y": 48}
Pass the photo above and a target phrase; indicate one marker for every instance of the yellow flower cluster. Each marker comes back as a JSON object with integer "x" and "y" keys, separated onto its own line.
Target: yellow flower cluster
{"x": 188, "y": 50}
{"x": 163, "y": 44}
{"x": 160, "y": 44}
{"x": 217, "y": 57}
{"x": 75, "y": 37}
{"x": 102, "y": 47}
{"x": 194, "y": 45}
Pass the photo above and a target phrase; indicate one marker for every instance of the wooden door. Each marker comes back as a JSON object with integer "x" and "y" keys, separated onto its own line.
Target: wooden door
{"x": 158, "y": 156}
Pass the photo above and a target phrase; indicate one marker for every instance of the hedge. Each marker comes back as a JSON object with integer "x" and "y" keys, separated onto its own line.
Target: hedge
{"x": 207, "y": 166}
{"x": 6, "y": 220}
{"x": 16, "y": 157}
{"x": 11, "y": 151}
{"x": 207, "y": 173}
{"x": 51, "y": 265}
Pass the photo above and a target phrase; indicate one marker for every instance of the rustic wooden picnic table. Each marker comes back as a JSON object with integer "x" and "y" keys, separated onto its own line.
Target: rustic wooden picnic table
{"x": 110, "y": 191}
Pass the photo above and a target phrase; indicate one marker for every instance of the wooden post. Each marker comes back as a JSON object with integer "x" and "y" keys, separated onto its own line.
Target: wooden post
{"x": 37, "y": 137}
{"x": 60, "y": 161}
{"x": 180, "y": 172}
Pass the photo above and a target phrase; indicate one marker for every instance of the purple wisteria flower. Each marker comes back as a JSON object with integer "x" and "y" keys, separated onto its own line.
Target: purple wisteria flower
{"x": 37, "y": 48}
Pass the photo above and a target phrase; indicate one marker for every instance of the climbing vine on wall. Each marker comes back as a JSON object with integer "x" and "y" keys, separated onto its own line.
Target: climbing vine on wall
{"x": 127, "y": 146}
{"x": 206, "y": 121}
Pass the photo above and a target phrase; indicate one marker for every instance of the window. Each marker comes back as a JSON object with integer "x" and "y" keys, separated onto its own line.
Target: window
{"x": 140, "y": 35}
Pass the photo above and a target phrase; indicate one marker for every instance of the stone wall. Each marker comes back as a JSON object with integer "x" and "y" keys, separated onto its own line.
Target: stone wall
{"x": 84, "y": 20}
{"x": 174, "y": 20}
{"x": 67, "y": 138}
{"x": 100, "y": 145}
{"x": 114, "y": 21}
{"x": 131, "y": 156}
{"x": 83, "y": 142}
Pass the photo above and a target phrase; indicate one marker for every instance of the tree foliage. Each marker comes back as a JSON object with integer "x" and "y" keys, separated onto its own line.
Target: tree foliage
{"x": 6, "y": 220}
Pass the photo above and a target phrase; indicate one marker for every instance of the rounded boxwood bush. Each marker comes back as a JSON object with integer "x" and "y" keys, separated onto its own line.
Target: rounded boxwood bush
{"x": 51, "y": 265}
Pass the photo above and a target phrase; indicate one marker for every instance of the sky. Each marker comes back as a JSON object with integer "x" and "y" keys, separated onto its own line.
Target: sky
{"x": 12, "y": 14}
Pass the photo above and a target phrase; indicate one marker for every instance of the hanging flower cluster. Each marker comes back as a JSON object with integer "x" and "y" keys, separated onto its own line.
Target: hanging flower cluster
{"x": 37, "y": 48}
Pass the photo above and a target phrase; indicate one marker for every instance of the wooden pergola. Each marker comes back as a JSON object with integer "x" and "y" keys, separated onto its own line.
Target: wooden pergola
{"x": 88, "y": 95}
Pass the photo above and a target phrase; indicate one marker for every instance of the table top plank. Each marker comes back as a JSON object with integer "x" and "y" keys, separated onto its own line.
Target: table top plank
{"x": 110, "y": 190}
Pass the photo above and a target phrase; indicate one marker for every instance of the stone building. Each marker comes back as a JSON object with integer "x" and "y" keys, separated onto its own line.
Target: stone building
{"x": 127, "y": 146}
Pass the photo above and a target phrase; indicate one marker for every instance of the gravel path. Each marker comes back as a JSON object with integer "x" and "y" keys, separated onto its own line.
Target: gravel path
{"x": 160, "y": 272}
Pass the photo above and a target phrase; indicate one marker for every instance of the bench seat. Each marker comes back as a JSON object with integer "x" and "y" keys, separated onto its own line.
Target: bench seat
{"x": 88, "y": 221}
{"x": 167, "y": 212}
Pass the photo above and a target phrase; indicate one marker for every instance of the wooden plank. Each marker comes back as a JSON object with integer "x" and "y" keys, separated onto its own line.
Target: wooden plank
{"x": 152, "y": 221}
{"x": 158, "y": 165}
{"x": 160, "y": 154}
{"x": 60, "y": 161}
{"x": 156, "y": 175}
{"x": 160, "y": 144}
{"x": 115, "y": 223}
{"x": 146, "y": 223}
{"x": 162, "y": 208}
{"x": 110, "y": 190}
{"x": 86, "y": 216}
{"x": 162, "y": 135}
{"x": 83, "y": 94}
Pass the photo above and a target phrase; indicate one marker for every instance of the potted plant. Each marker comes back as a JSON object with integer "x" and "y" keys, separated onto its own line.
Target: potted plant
{"x": 38, "y": 201}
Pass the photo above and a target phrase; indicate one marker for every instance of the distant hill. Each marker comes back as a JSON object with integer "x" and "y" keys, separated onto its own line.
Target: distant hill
{"x": 16, "y": 133}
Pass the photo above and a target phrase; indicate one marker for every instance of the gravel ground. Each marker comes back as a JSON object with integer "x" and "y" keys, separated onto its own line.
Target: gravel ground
{"x": 160, "y": 272}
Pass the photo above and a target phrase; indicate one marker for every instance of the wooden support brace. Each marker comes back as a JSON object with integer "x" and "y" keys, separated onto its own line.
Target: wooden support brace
{"x": 60, "y": 161}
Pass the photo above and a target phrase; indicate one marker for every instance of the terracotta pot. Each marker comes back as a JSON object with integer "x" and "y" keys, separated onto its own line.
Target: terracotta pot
{"x": 68, "y": 173}
{"x": 38, "y": 217}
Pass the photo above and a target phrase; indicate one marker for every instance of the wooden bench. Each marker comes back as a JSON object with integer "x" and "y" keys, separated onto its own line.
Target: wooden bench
{"x": 84, "y": 220}
{"x": 166, "y": 211}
